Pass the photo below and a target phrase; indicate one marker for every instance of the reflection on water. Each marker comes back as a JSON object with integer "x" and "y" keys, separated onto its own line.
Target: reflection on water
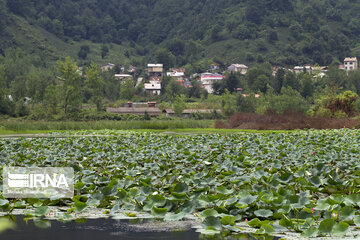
{"x": 104, "y": 229}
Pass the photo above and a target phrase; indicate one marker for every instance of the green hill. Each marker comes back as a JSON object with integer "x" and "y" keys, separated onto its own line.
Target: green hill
{"x": 282, "y": 32}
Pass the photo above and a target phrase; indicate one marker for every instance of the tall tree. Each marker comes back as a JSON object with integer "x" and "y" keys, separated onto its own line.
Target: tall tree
{"x": 278, "y": 80}
{"x": 307, "y": 88}
{"x": 127, "y": 89}
{"x": 68, "y": 71}
{"x": 4, "y": 100}
{"x": 179, "y": 105}
{"x": 96, "y": 85}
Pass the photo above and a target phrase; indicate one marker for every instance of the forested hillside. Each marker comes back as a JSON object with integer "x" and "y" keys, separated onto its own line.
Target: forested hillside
{"x": 283, "y": 32}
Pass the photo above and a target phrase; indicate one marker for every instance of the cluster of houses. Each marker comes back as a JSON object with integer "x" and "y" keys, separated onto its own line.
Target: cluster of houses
{"x": 150, "y": 108}
{"x": 155, "y": 74}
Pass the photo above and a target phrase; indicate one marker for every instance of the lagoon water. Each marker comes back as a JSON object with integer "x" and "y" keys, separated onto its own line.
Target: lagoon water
{"x": 91, "y": 229}
{"x": 104, "y": 229}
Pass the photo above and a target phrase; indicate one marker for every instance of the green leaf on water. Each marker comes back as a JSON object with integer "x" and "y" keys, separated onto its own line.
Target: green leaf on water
{"x": 209, "y": 212}
{"x": 20, "y": 204}
{"x": 310, "y": 232}
{"x": 254, "y": 223}
{"x": 213, "y": 222}
{"x": 340, "y": 229}
{"x": 42, "y": 211}
{"x": 347, "y": 213}
{"x": 322, "y": 205}
{"x": 228, "y": 220}
{"x": 181, "y": 188}
{"x": 208, "y": 231}
{"x": 3, "y": 202}
{"x": 248, "y": 199}
{"x": 115, "y": 208}
{"x": 41, "y": 223}
{"x": 158, "y": 212}
{"x": 79, "y": 206}
{"x": 224, "y": 190}
{"x": 174, "y": 217}
{"x": 263, "y": 213}
{"x": 267, "y": 228}
{"x": 357, "y": 220}
{"x": 326, "y": 226}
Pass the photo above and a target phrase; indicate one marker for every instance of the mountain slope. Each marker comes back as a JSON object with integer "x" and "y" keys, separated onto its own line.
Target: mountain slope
{"x": 283, "y": 32}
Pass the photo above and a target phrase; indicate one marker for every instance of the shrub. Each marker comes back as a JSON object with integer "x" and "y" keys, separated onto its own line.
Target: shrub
{"x": 345, "y": 102}
{"x": 340, "y": 114}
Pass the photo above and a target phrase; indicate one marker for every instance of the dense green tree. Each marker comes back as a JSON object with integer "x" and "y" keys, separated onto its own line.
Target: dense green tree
{"x": 179, "y": 105}
{"x": 278, "y": 80}
{"x": 83, "y": 52}
{"x": 112, "y": 85}
{"x": 261, "y": 83}
{"x": 288, "y": 100}
{"x": 245, "y": 103}
{"x": 335, "y": 105}
{"x": 176, "y": 47}
{"x": 72, "y": 94}
{"x": 165, "y": 57}
{"x": 172, "y": 89}
{"x": 307, "y": 86}
{"x": 104, "y": 51}
{"x": 291, "y": 80}
{"x": 127, "y": 89}
{"x": 96, "y": 85}
{"x": 254, "y": 81}
{"x": 196, "y": 90}
{"x": 229, "y": 101}
{"x": 51, "y": 99}
{"x": 5, "y": 104}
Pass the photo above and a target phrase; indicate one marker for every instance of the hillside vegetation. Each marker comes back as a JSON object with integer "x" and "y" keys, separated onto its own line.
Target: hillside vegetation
{"x": 282, "y": 32}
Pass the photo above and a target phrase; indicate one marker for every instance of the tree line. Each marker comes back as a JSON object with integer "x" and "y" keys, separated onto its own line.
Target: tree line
{"x": 29, "y": 86}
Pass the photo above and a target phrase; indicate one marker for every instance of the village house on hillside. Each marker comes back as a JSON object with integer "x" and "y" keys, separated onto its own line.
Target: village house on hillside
{"x": 132, "y": 69}
{"x": 153, "y": 88}
{"x": 107, "y": 67}
{"x": 208, "y": 79}
{"x": 155, "y": 72}
{"x": 300, "y": 69}
{"x": 241, "y": 68}
{"x": 122, "y": 76}
{"x": 214, "y": 66}
{"x": 178, "y": 74}
{"x": 350, "y": 64}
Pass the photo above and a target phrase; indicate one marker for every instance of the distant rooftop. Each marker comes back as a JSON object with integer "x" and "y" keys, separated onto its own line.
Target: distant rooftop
{"x": 349, "y": 59}
{"x": 155, "y": 65}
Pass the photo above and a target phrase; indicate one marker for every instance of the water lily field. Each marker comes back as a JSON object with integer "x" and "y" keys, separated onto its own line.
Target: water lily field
{"x": 292, "y": 185}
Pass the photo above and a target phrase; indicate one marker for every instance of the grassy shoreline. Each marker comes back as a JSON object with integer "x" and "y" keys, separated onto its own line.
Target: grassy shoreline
{"x": 27, "y": 126}
{"x": 185, "y": 126}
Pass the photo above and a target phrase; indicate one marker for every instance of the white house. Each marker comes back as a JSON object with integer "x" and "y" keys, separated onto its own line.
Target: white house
{"x": 238, "y": 68}
{"x": 351, "y": 64}
{"x": 208, "y": 79}
{"x": 176, "y": 72}
{"x": 154, "y": 87}
{"x": 122, "y": 76}
{"x": 300, "y": 69}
